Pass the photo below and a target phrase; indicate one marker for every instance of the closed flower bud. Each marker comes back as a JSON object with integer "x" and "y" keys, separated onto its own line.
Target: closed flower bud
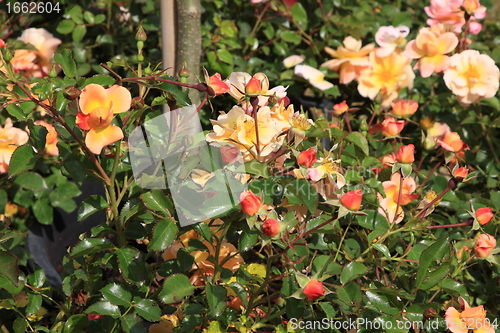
{"x": 404, "y": 107}
{"x": 137, "y": 103}
{"x": 460, "y": 174}
{"x": 271, "y": 227}
{"x": 392, "y": 127}
{"x": 340, "y": 108}
{"x": 141, "y": 34}
{"x": 71, "y": 93}
{"x": 184, "y": 72}
{"x": 250, "y": 203}
{"x": 314, "y": 290}
{"x": 484, "y": 215}
{"x": 352, "y": 199}
{"x": 406, "y": 154}
{"x": 307, "y": 158}
{"x": 485, "y": 244}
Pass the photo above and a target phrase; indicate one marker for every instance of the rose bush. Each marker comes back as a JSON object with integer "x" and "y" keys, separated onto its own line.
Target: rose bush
{"x": 359, "y": 187}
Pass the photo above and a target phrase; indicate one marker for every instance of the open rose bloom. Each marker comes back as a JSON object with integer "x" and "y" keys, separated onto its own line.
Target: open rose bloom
{"x": 10, "y": 138}
{"x": 35, "y": 63}
{"x": 468, "y": 319}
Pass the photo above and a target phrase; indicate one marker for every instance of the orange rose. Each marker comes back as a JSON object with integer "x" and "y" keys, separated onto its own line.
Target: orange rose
{"x": 352, "y": 199}
{"x": 271, "y": 227}
{"x": 485, "y": 244}
{"x": 392, "y": 127}
{"x": 406, "y": 154}
{"x": 484, "y": 215}
{"x": 314, "y": 290}
{"x": 461, "y": 173}
{"x": 404, "y": 107}
{"x": 469, "y": 319}
{"x": 452, "y": 142}
{"x": 250, "y": 203}
{"x": 307, "y": 158}
{"x": 340, "y": 108}
{"x": 216, "y": 83}
{"x": 98, "y": 107}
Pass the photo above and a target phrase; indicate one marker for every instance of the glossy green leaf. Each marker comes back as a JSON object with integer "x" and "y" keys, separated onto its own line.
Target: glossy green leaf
{"x": 436, "y": 251}
{"x": 104, "y": 308}
{"x": 454, "y": 288}
{"x": 65, "y": 27}
{"x": 116, "y": 294}
{"x": 157, "y": 200}
{"x": 255, "y": 167}
{"x": 131, "y": 323}
{"x": 359, "y": 140}
{"x": 175, "y": 288}
{"x": 148, "y": 309}
{"x": 23, "y": 159}
{"x": 16, "y": 112}
{"x": 76, "y": 324}
{"x": 132, "y": 265}
{"x": 299, "y": 15}
{"x": 10, "y": 270}
{"x": 216, "y": 299}
{"x": 64, "y": 58}
{"x": 433, "y": 278}
{"x": 100, "y": 79}
{"x": 382, "y": 303}
{"x": 34, "y": 304}
{"x": 43, "y": 211}
{"x": 91, "y": 245}
{"x": 164, "y": 234}
{"x": 79, "y": 32}
{"x": 91, "y": 205}
{"x": 352, "y": 271}
{"x": 31, "y": 181}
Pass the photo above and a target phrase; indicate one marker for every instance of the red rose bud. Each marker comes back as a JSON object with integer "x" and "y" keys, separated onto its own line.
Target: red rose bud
{"x": 461, "y": 173}
{"x": 250, "y": 203}
{"x": 71, "y": 93}
{"x": 307, "y": 158}
{"x": 484, "y": 215}
{"x": 229, "y": 154}
{"x": 216, "y": 83}
{"x": 352, "y": 199}
{"x": 253, "y": 86}
{"x": 340, "y": 108}
{"x": 271, "y": 227}
{"x": 314, "y": 290}
{"x": 406, "y": 154}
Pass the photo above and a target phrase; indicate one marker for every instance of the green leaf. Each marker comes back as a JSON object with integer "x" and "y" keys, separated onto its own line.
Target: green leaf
{"x": 390, "y": 324}
{"x": 10, "y": 270}
{"x": 43, "y": 211}
{"x": 163, "y": 235}
{"x": 23, "y": 159}
{"x": 132, "y": 265}
{"x": 104, "y": 308}
{"x": 225, "y": 56}
{"x": 75, "y": 169}
{"x": 453, "y": 288}
{"x": 351, "y": 271}
{"x": 31, "y": 181}
{"x": 76, "y": 324}
{"x": 436, "y": 251}
{"x": 64, "y": 192}
{"x": 303, "y": 190}
{"x": 89, "y": 17}
{"x": 299, "y": 15}
{"x": 91, "y": 205}
{"x": 156, "y": 200}
{"x": 132, "y": 324}
{"x": 19, "y": 325}
{"x": 433, "y": 278}
{"x": 16, "y": 112}
{"x": 249, "y": 238}
{"x": 382, "y": 303}
{"x": 38, "y": 134}
{"x": 148, "y": 309}
{"x": 35, "y": 302}
{"x": 91, "y": 245}
{"x": 175, "y": 288}
{"x": 291, "y": 37}
{"x": 64, "y": 58}
{"x": 255, "y": 167}
{"x": 216, "y": 299}
{"x": 100, "y": 79}
{"x": 115, "y": 294}
{"x": 359, "y": 140}
{"x": 79, "y": 32}
{"x": 65, "y": 27}
{"x": 180, "y": 96}
{"x": 383, "y": 249}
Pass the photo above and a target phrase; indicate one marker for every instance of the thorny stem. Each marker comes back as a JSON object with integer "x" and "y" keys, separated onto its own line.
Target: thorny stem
{"x": 463, "y": 224}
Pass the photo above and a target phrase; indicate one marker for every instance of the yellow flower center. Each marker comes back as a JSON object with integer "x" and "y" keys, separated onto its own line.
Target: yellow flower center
{"x": 431, "y": 195}
{"x": 300, "y": 123}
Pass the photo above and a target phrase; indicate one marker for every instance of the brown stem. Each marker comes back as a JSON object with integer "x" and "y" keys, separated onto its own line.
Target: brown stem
{"x": 255, "y": 106}
{"x": 432, "y": 171}
{"x": 347, "y": 121}
{"x": 463, "y": 224}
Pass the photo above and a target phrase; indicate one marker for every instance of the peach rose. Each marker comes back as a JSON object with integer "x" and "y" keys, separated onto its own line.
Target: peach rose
{"x": 10, "y": 138}
{"x": 452, "y": 142}
{"x": 484, "y": 245}
{"x": 392, "y": 127}
{"x": 472, "y": 76}
{"x": 405, "y": 154}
